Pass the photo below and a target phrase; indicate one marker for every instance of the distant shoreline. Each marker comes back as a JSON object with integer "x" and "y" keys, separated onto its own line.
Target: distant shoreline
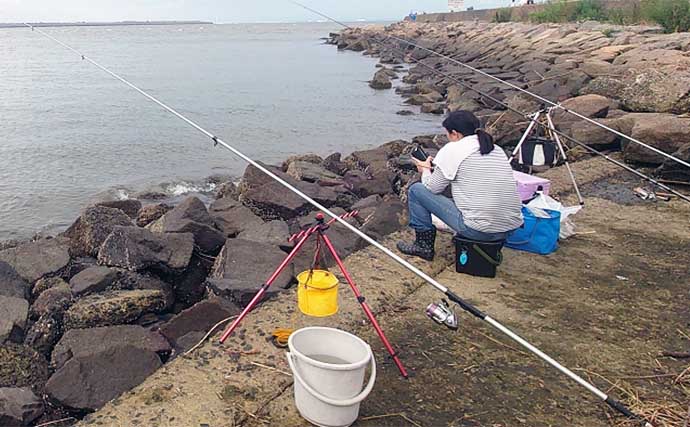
{"x": 102, "y": 24}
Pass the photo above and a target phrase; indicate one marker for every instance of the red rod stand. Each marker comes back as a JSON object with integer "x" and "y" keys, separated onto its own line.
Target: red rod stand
{"x": 303, "y": 236}
{"x": 363, "y": 303}
{"x": 264, "y": 287}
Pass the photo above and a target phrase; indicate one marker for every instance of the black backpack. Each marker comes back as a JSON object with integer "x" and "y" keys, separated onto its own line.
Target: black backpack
{"x": 538, "y": 152}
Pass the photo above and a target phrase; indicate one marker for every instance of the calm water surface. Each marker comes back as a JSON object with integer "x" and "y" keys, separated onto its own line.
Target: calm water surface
{"x": 70, "y": 134}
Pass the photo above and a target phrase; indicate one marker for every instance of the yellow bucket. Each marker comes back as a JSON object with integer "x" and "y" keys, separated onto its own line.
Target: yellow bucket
{"x": 317, "y": 293}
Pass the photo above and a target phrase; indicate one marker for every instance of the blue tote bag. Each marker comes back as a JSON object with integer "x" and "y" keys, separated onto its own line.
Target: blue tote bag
{"x": 538, "y": 235}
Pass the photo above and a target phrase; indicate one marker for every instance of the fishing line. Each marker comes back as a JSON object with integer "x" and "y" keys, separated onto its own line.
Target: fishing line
{"x": 534, "y": 95}
{"x": 518, "y": 112}
{"x": 453, "y": 297}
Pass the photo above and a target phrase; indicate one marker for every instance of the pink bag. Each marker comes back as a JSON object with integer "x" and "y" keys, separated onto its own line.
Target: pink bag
{"x": 528, "y": 185}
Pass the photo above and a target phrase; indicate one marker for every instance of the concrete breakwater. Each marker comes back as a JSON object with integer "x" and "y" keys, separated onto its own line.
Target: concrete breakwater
{"x": 631, "y": 79}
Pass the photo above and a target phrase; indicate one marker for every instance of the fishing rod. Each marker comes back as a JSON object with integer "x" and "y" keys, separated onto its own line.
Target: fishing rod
{"x": 526, "y": 116}
{"x": 533, "y": 95}
{"x": 613, "y": 403}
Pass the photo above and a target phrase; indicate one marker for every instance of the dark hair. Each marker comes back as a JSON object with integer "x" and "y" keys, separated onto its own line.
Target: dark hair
{"x": 467, "y": 124}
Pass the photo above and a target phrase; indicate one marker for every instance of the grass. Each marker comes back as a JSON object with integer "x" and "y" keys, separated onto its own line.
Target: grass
{"x": 503, "y": 15}
{"x": 671, "y": 15}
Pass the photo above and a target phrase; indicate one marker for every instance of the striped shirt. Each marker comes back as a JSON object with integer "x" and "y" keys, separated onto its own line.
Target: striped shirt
{"x": 484, "y": 190}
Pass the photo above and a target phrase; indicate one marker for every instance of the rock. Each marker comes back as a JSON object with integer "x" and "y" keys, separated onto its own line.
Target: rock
{"x": 13, "y": 315}
{"x": 22, "y": 366}
{"x": 232, "y": 217}
{"x": 368, "y": 202}
{"x": 405, "y": 113}
{"x": 139, "y": 249}
{"x": 191, "y": 216}
{"x": 228, "y": 189}
{"x": 243, "y": 266}
{"x": 45, "y": 333}
{"x": 35, "y": 260}
{"x": 673, "y": 170}
{"x": 88, "y": 382}
{"x": 592, "y": 106}
{"x": 11, "y": 284}
{"x": 434, "y": 108}
{"x": 197, "y": 319}
{"x": 590, "y": 134}
{"x": 381, "y": 80}
{"x": 93, "y": 279}
{"x": 660, "y": 90}
{"x": 385, "y": 220}
{"x": 597, "y": 68}
{"x": 274, "y": 233}
{"x": 308, "y": 158}
{"x": 333, "y": 164}
{"x": 665, "y": 132}
{"x": 189, "y": 287}
{"x": 90, "y": 230}
{"x": 19, "y": 406}
{"x": 79, "y": 343}
{"x": 54, "y": 300}
{"x": 152, "y": 213}
{"x": 46, "y": 283}
{"x": 131, "y": 207}
{"x": 365, "y": 185}
{"x": 424, "y": 98}
{"x": 113, "y": 308}
{"x": 310, "y": 172}
{"x": 271, "y": 200}
{"x": 134, "y": 281}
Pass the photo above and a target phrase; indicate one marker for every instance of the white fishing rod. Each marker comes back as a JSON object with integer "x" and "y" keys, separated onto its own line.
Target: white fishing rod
{"x": 534, "y": 95}
{"x": 613, "y": 403}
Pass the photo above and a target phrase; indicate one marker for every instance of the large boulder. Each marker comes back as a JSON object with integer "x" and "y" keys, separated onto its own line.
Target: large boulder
{"x": 191, "y": 216}
{"x": 85, "y": 342}
{"x": 310, "y": 172}
{"x": 309, "y": 158}
{"x": 22, "y": 366}
{"x": 152, "y": 213}
{"x": 13, "y": 315}
{"x": 93, "y": 279}
{"x": 434, "y": 108}
{"x": 232, "y": 217}
{"x": 35, "y": 260}
{"x": 386, "y": 219}
{"x": 11, "y": 283}
{"x": 114, "y": 308}
{"x": 673, "y": 170}
{"x": 136, "y": 249}
{"x": 54, "y": 300}
{"x": 271, "y": 200}
{"x": 333, "y": 163}
{"x": 188, "y": 327}
{"x": 89, "y": 381}
{"x": 19, "y": 406}
{"x": 366, "y": 184}
{"x": 273, "y": 233}
{"x": 90, "y": 230}
{"x": 381, "y": 80}
{"x": 665, "y": 132}
{"x": 422, "y": 99}
{"x": 243, "y": 266}
{"x": 592, "y": 106}
{"x": 46, "y": 283}
{"x": 129, "y": 206}
{"x": 659, "y": 90}
{"x": 189, "y": 287}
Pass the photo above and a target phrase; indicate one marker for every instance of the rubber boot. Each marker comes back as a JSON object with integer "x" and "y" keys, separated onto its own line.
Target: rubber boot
{"x": 423, "y": 245}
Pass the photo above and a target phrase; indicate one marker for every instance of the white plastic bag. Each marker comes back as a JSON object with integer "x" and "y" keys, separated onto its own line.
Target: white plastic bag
{"x": 543, "y": 201}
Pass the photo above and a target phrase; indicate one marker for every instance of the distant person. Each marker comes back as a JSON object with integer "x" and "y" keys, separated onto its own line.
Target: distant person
{"x": 485, "y": 205}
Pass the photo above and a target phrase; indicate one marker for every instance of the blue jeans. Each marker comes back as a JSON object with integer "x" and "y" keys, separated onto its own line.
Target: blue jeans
{"x": 422, "y": 203}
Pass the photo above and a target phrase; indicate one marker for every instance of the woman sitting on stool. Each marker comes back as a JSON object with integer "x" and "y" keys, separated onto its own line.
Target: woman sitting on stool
{"x": 485, "y": 204}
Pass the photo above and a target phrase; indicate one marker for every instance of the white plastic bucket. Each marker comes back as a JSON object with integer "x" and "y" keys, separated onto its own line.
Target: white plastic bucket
{"x": 328, "y": 367}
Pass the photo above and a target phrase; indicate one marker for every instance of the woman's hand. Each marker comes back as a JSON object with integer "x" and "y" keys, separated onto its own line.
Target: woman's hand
{"x": 423, "y": 165}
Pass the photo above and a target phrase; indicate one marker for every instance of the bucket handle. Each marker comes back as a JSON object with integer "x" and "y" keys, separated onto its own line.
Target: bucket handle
{"x": 349, "y": 402}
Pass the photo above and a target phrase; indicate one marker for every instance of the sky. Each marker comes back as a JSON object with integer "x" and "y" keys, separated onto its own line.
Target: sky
{"x": 219, "y": 11}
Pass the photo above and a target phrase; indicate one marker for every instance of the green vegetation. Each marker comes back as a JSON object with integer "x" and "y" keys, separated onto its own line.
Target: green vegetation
{"x": 672, "y": 15}
{"x": 503, "y": 15}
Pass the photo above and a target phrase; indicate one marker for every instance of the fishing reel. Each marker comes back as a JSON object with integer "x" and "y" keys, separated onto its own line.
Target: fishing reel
{"x": 442, "y": 314}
